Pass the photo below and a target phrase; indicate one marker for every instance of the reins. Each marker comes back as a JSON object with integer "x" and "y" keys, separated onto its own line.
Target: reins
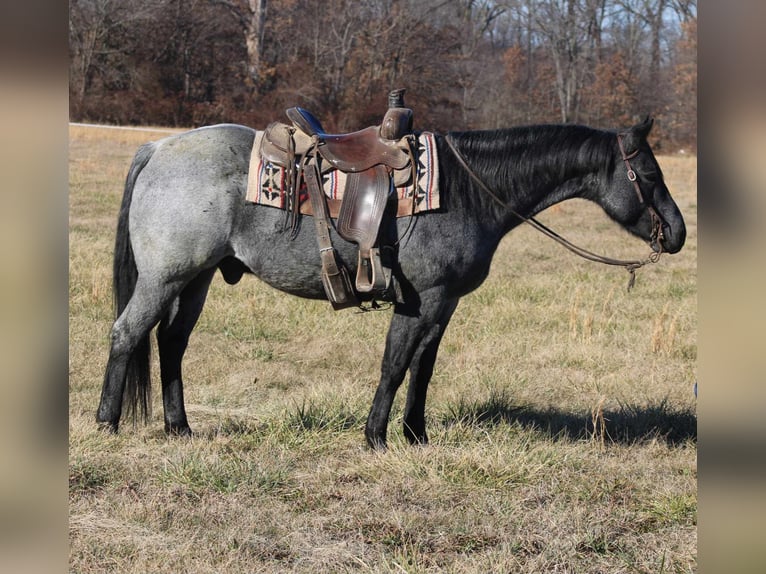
{"x": 630, "y": 265}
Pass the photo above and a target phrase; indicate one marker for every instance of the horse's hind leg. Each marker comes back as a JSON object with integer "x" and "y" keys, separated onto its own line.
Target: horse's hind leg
{"x": 172, "y": 340}
{"x": 129, "y": 352}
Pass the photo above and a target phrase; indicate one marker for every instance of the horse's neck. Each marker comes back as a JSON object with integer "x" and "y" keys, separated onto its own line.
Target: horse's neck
{"x": 531, "y": 169}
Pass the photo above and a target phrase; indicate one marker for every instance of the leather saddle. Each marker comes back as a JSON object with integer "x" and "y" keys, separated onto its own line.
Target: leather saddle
{"x": 374, "y": 159}
{"x": 353, "y": 152}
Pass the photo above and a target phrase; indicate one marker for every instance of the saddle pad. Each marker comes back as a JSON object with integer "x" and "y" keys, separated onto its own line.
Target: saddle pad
{"x": 266, "y": 181}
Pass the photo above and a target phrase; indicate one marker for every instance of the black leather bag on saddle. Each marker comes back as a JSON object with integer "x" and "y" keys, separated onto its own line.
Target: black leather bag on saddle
{"x": 375, "y": 159}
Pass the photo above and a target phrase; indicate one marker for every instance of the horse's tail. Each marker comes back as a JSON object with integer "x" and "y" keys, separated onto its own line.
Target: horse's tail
{"x": 124, "y": 277}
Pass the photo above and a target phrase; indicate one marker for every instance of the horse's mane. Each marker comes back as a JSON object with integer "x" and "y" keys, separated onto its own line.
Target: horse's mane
{"x": 514, "y": 158}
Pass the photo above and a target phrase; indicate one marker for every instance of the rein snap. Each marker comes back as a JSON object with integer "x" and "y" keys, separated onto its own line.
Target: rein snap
{"x": 631, "y": 266}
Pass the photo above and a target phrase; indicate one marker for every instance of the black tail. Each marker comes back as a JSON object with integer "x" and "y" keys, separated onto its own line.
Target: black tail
{"x": 124, "y": 276}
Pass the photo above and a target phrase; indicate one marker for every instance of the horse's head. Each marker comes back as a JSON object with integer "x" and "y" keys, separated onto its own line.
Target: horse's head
{"x": 638, "y": 197}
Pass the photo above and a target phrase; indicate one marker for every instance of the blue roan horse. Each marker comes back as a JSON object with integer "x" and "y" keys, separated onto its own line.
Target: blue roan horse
{"x": 184, "y": 215}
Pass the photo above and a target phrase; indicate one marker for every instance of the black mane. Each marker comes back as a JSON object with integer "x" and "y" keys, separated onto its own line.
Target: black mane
{"x": 538, "y": 155}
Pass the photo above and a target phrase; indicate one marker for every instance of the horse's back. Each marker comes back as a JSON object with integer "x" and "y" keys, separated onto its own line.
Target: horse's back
{"x": 209, "y": 144}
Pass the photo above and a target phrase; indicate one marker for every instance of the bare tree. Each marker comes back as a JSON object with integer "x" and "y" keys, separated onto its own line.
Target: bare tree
{"x": 651, "y": 13}
{"x": 476, "y": 20}
{"x": 251, "y": 17}
{"x": 570, "y": 29}
{"x": 96, "y": 39}
{"x": 685, "y": 9}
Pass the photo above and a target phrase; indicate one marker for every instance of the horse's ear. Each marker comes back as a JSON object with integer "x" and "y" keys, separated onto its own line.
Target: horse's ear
{"x": 643, "y": 129}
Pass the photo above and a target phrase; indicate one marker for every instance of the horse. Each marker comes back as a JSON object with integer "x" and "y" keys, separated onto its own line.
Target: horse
{"x": 184, "y": 215}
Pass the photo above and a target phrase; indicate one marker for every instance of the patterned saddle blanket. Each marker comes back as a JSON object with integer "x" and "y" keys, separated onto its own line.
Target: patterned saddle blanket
{"x": 267, "y": 182}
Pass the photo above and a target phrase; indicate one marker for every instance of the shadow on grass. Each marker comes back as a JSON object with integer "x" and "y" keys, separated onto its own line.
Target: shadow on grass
{"x": 627, "y": 425}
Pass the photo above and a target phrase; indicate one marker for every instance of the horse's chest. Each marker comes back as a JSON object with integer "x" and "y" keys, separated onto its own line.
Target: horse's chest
{"x": 460, "y": 262}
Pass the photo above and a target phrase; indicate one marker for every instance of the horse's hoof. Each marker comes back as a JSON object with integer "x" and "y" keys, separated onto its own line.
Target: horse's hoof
{"x": 377, "y": 443}
{"x": 416, "y": 440}
{"x": 107, "y": 427}
{"x": 178, "y": 430}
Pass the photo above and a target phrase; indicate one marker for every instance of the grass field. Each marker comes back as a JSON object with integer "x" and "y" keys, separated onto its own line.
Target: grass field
{"x": 561, "y": 416}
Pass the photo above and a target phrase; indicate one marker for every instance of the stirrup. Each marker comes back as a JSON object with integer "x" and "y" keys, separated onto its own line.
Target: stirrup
{"x": 371, "y": 275}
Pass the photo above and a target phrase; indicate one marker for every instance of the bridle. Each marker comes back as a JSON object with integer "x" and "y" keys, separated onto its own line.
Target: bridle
{"x": 630, "y": 265}
{"x": 656, "y": 234}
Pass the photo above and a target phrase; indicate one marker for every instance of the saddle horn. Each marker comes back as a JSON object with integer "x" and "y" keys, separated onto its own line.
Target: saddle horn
{"x": 397, "y": 122}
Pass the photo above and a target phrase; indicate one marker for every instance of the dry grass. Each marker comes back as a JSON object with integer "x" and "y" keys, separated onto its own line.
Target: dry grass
{"x": 561, "y": 415}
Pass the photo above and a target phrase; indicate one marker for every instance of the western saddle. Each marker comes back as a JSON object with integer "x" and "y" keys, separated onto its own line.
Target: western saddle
{"x": 375, "y": 159}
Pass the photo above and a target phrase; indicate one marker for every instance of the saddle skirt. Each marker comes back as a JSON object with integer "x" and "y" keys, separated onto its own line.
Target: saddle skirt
{"x": 267, "y": 181}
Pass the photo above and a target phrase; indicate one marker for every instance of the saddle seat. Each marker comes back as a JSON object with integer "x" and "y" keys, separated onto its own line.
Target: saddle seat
{"x": 352, "y": 152}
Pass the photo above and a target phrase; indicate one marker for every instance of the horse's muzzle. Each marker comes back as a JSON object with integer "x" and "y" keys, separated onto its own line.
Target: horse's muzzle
{"x": 673, "y": 237}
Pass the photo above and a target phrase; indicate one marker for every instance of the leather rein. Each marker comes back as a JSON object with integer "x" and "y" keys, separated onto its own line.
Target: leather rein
{"x": 630, "y": 265}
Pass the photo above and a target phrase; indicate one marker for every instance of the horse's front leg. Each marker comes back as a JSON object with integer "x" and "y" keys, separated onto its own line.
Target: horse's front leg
{"x": 411, "y": 324}
{"x": 421, "y": 369}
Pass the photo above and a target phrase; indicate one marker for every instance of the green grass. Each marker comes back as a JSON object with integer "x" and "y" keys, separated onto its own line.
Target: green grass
{"x": 561, "y": 417}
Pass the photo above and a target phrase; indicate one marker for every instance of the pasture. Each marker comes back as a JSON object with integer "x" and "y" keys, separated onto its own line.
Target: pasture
{"x": 561, "y": 416}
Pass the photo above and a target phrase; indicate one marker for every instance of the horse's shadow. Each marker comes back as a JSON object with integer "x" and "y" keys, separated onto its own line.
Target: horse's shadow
{"x": 628, "y": 424}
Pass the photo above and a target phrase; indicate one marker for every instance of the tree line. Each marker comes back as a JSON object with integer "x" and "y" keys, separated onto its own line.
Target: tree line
{"x": 466, "y": 64}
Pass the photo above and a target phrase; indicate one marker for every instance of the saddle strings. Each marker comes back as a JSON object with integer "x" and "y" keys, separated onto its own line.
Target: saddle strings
{"x": 293, "y": 176}
{"x": 630, "y": 265}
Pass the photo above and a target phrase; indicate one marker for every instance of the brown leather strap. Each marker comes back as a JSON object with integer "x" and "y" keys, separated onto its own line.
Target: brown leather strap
{"x": 335, "y": 279}
{"x": 632, "y": 177}
{"x": 319, "y": 207}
